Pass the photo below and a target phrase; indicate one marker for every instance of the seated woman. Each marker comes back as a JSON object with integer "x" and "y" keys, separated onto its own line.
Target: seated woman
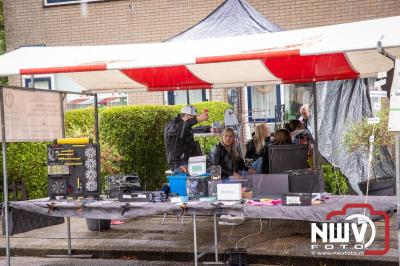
{"x": 226, "y": 155}
{"x": 257, "y": 146}
{"x": 281, "y": 137}
{"x": 293, "y": 125}
{"x": 302, "y": 135}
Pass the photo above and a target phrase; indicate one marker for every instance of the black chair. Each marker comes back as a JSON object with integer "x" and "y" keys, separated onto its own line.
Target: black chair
{"x": 282, "y": 158}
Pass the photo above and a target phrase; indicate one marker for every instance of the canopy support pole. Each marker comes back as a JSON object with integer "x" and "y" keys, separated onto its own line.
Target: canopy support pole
{"x": 382, "y": 51}
{"x": 397, "y": 156}
{"x": 68, "y": 219}
{"x": 397, "y": 144}
{"x": 5, "y": 178}
{"x": 96, "y": 128}
{"x": 96, "y": 119}
{"x": 315, "y": 116}
{"x": 187, "y": 97}
{"x": 62, "y": 96}
{"x": 32, "y": 81}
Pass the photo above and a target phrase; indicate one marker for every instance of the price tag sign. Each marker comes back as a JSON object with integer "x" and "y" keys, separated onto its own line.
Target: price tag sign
{"x": 394, "y": 109}
{"x": 373, "y": 120}
{"x": 197, "y": 165}
{"x": 380, "y": 83}
{"x": 293, "y": 200}
{"x": 382, "y": 75}
{"x": 378, "y": 94}
{"x": 377, "y": 106}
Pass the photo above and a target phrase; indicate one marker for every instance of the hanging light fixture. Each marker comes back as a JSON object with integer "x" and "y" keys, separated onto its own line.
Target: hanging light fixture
{"x": 265, "y": 89}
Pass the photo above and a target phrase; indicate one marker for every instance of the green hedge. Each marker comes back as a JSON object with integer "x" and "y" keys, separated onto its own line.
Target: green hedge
{"x": 131, "y": 139}
{"x": 80, "y": 123}
{"x": 27, "y": 162}
{"x": 135, "y": 133}
{"x": 335, "y": 181}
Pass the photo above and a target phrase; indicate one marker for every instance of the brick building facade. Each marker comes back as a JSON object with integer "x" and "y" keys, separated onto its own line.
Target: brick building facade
{"x": 29, "y": 22}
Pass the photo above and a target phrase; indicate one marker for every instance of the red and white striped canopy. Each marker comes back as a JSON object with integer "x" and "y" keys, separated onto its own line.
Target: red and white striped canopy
{"x": 344, "y": 51}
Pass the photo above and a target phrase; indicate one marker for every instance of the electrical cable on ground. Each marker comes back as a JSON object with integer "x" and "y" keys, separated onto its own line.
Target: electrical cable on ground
{"x": 243, "y": 238}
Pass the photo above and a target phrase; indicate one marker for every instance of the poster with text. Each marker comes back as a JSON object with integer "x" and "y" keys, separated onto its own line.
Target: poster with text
{"x": 32, "y": 115}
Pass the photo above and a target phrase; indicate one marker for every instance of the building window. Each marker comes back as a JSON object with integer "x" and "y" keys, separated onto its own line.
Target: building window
{"x": 187, "y": 97}
{"x": 44, "y": 83}
{"x": 295, "y": 96}
{"x": 66, "y": 2}
{"x": 261, "y": 102}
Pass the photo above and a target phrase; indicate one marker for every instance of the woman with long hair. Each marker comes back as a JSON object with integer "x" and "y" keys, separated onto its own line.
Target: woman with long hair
{"x": 282, "y": 137}
{"x": 226, "y": 155}
{"x": 255, "y": 148}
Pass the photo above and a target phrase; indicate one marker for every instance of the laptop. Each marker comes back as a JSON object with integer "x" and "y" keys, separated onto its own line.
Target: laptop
{"x": 269, "y": 185}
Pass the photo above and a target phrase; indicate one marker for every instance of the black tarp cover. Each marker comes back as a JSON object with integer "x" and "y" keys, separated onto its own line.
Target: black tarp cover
{"x": 231, "y": 18}
{"x": 340, "y": 104}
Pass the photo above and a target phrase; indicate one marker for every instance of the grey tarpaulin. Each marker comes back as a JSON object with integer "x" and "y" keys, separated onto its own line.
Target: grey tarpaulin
{"x": 341, "y": 103}
{"x": 20, "y": 221}
{"x": 122, "y": 210}
{"x": 231, "y": 18}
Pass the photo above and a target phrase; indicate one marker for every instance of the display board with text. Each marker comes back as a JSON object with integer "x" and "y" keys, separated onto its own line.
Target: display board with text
{"x": 32, "y": 115}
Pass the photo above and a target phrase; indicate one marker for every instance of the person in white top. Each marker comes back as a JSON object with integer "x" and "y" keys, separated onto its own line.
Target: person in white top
{"x": 305, "y": 113}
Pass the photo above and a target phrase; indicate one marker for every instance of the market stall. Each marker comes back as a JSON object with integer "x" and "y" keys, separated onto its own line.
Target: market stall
{"x": 308, "y": 55}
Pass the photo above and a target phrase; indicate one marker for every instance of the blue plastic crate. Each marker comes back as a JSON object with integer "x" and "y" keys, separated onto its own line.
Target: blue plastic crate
{"x": 177, "y": 184}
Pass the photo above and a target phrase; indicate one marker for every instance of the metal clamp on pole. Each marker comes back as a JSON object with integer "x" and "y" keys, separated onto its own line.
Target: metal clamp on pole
{"x": 382, "y": 51}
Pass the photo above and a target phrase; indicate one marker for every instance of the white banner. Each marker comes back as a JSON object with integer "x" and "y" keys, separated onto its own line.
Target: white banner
{"x": 31, "y": 115}
{"x": 394, "y": 109}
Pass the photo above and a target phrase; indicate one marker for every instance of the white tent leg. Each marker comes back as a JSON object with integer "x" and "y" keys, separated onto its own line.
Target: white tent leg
{"x": 5, "y": 178}
{"x": 397, "y": 156}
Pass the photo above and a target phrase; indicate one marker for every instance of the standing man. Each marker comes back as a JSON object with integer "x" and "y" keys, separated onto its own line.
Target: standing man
{"x": 304, "y": 112}
{"x": 179, "y": 140}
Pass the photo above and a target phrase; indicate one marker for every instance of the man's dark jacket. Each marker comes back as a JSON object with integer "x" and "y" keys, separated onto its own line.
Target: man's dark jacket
{"x": 220, "y": 156}
{"x": 179, "y": 142}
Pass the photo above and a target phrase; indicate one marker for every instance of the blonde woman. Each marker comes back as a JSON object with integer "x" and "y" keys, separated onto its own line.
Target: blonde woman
{"x": 257, "y": 146}
{"x": 226, "y": 155}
